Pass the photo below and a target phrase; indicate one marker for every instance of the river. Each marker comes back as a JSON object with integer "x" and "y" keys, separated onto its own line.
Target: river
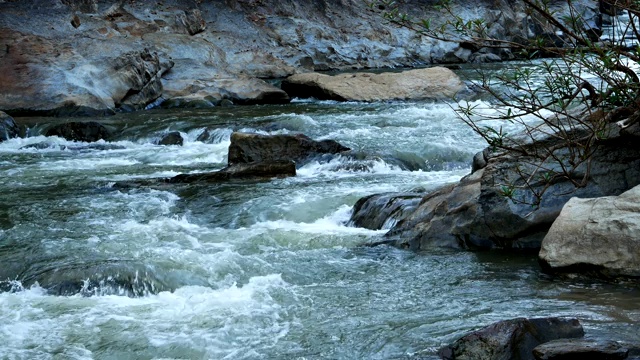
{"x": 254, "y": 270}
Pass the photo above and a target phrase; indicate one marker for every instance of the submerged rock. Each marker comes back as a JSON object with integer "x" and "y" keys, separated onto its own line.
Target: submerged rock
{"x": 580, "y": 349}
{"x": 172, "y": 138}
{"x": 8, "y": 127}
{"x": 253, "y": 171}
{"x": 600, "y": 234}
{"x": 432, "y": 83}
{"x": 88, "y": 131}
{"x": 511, "y": 339}
{"x": 249, "y": 147}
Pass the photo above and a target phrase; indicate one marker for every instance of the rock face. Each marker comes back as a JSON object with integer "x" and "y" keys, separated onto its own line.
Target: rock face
{"x": 8, "y": 127}
{"x": 511, "y": 339}
{"x": 432, "y": 83}
{"x": 249, "y": 148}
{"x": 92, "y": 57}
{"x": 89, "y": 131}
{"x": 600, "y": 234}
{"x": 475, "y": 214}
{"x": 579, "y": 349}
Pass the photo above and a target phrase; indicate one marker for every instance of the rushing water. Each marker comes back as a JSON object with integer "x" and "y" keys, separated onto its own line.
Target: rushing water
{"x": 253, "y": 270}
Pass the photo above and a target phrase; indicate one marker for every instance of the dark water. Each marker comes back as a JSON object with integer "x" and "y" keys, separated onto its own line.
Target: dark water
{"x": 254, "y": 270}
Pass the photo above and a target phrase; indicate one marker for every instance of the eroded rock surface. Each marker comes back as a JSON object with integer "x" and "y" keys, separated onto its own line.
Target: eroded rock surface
{"x": 86, "y": 131}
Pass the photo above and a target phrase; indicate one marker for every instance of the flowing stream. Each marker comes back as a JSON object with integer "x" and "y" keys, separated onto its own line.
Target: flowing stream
{"x": 254, "y": 270}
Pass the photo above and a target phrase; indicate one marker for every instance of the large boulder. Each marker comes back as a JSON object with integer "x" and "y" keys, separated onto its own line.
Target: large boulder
{"x": 432, "y": 83}
{"x": 383, "y": 211}
{"x": 601, "y": 234}
{"x": 87, "y": 131}
{"x": 8, "y": 127}
{"x": 512, "y": 339}
{"x": 250, "y": 147}
{"x": 475, "y": 213}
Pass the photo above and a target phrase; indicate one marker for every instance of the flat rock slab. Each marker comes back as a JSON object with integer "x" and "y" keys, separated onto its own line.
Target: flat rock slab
{"x": 580, "y": 349}
{"x": 253, "y": 171}
{"x": 432, "y": 83}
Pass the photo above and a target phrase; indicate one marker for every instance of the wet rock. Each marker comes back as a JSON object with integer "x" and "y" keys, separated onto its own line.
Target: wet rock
{"x": 248, "y": 148}
{"x": 600, "y": 234}
{"x": 383, "y": 211}
{"x": 433, "y": 83}
{"x": 475, "y": 214}
{"x": 75, "y": 21}
{"x": 580, "y": 349}
{"x": 172, "y": 138}
{"x": 511, "y": 339}
{"x": 88, "y": 131}
{"x": 254, "y": 171}
{"x": 8, "y": 127}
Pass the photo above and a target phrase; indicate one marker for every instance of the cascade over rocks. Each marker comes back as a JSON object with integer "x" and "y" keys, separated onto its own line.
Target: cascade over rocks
{"x": 437, "y": 83}
{"x": 88, "y": 131}
{"x": 250, "y": 148}
{"x": 474, "y": 214}
{"x": 94, "y": 57}
{"x": 601, "y": 234}
{"x": 511, "y": 339}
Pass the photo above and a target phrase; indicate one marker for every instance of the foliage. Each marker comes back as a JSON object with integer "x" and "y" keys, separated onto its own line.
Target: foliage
{"x": 576, "y": 86}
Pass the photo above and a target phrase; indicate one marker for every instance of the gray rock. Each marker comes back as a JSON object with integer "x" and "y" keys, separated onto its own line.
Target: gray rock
{"x": 432, "y": 83}
{"x": 601, "y": 234}
{"x": 249, "y": 148}
{"x": 8, "y": 127}
{"x": 580, "y": 349}
{"x": 512, "y": 339}
{"x": 191, "y": 21}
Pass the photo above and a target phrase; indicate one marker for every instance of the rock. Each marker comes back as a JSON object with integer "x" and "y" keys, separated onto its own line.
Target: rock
{"x": 511, "y": 339}
{"x": 601, "y": 234}
{"x": 432, "y": 83}
{"x": 254, "y": 171}
{"x": 389, "y": 209}
{"x": 172, "y": 138}
{"x": 475, "y": 214}
{"x": 8, "y": 127}
{"x": 580, "y": 349}
{"x": 89, "y": 131}
{"x": 248, "y": 148}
